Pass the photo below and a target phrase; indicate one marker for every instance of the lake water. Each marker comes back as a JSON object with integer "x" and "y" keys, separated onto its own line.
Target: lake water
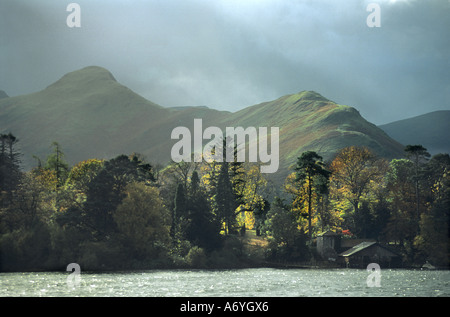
{"x": 261, "y": 282}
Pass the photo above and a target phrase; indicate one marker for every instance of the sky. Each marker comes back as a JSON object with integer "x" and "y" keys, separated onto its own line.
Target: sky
{"x": 230, "y": 54}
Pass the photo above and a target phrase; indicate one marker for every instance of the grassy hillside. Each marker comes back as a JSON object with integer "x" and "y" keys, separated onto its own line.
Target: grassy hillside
{"x": 309, "y": 121}
{"x": 92, "y": 115}
{"x": 87, "y": 111}
{"x": 432, "y": 130}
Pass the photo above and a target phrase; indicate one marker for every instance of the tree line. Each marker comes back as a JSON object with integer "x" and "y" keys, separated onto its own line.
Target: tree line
{"x": 125, "y": 213}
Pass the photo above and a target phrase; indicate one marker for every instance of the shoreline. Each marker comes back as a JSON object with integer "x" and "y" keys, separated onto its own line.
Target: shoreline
{"x": 268, "y": 265}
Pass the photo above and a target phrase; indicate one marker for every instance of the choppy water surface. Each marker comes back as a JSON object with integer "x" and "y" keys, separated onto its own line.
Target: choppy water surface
{"x": 239, "y": 283}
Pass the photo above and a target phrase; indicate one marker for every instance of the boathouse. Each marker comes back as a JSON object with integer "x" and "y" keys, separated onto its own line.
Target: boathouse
{"x": 328, "y": 244}
{"x": 370, "y": 252}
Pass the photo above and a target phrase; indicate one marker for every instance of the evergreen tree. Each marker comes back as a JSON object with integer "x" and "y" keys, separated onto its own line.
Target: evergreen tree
{"x": 56, "y": 163}
{"x": 260, "y": 213}
{"x": 433, "y": 242}
{"x": 309, "y": 168}
{"x": 179, "y": 211}
{"x": 9, "y": 166}
{"x": 419, "y": 156}
{"x": 402, "y": 223}
{"x": 195, "y": 184}
{"x": 237, "y": 178}
{"x": 203, "y": 228}
{"x": 225, "y": 199}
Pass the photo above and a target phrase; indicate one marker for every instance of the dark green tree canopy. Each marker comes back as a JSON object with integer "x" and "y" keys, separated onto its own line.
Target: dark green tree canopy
{"x": 225, "y": 202}
{"x": 309, "y": 165}
{"x": 106, "y": 190}
{"x": 9, "y": 163}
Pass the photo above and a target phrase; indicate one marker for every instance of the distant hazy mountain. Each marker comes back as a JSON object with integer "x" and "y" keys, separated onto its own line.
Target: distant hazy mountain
{"x": 92, "y": 115}
{"x": 432, "y": 130}
{"x": 3, "y": 94}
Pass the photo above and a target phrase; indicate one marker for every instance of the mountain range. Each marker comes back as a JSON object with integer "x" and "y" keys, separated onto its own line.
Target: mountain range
{"x": 432, "y": 130}
{"x": 91, "y": 115}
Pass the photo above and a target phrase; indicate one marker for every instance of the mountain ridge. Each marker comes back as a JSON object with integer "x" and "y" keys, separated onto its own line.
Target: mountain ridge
{"x": 88, "y": 115}
{"x": 430, "y": 130}
{"x": 92, "y": 115}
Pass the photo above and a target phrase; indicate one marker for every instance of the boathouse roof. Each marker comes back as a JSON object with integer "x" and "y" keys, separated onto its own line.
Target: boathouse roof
{"x": 365, "y": 246}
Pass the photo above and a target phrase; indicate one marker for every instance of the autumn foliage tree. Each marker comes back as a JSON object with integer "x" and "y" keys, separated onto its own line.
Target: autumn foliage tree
{"x": 355, "y": 173}
{"x": 354, "y": 170}
{"x": 114, "y": 214}
{"x": 142, "y": 221}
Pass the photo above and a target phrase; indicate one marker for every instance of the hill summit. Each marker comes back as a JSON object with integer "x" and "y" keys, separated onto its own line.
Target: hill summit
{"x": 87, "y": 111}
{"x": 3, "y": 94}
{"x": 309, "y": 121}
{"x": 92, "y": 115}
{"x": 85, "y": 75}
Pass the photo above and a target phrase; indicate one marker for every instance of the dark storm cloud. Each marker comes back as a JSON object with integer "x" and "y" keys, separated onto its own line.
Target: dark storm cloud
{"x": 230, "y": 54}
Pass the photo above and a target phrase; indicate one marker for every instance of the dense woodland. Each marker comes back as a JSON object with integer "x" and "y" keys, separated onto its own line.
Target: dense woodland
{"x": 125, "y": 213}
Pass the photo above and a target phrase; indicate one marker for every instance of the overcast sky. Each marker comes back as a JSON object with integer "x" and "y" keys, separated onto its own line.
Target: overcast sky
{"x": 229, "y": 54}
